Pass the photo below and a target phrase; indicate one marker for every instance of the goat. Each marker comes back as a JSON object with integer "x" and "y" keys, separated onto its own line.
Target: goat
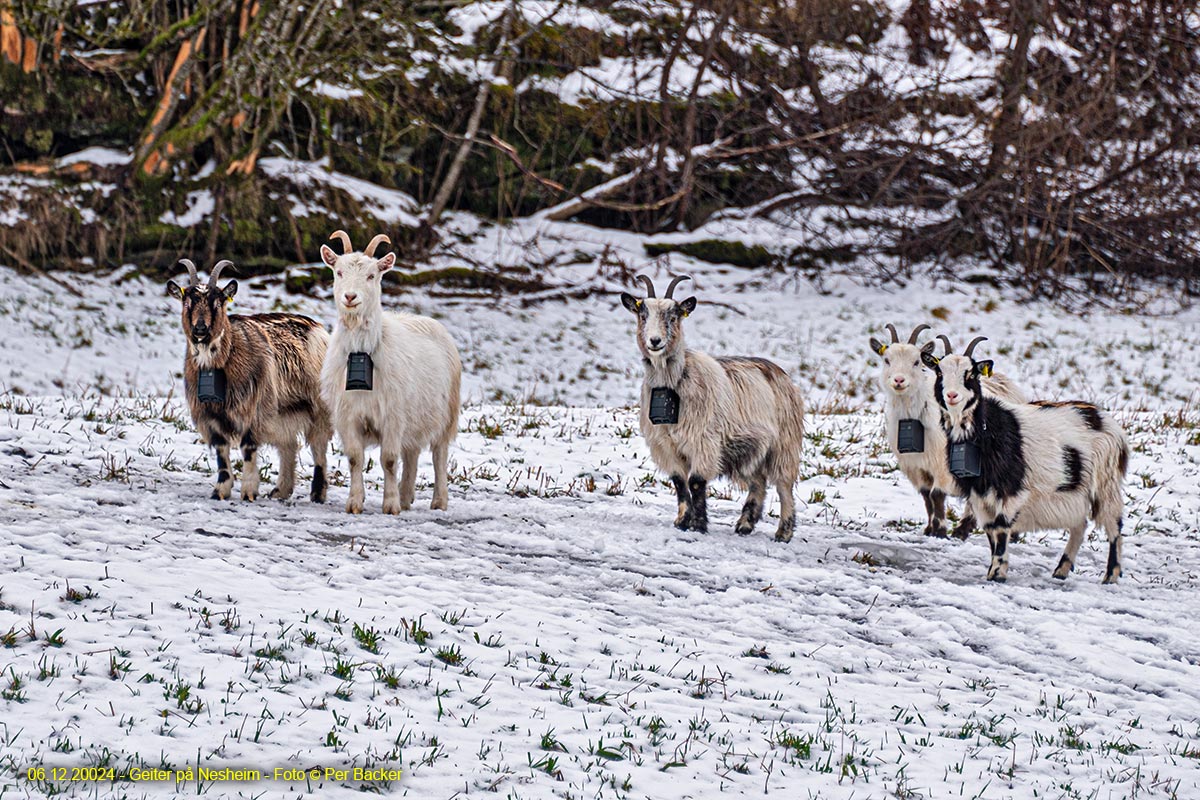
{"x": 1030, "y": 466}
{"x": 414, "y": 399}
{"x": 702, "y": 417}
{"x": 266, "y": 368}
{"x": 908, "y": 389}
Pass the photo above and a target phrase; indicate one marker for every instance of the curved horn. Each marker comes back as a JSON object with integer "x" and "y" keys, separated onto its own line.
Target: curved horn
{"x": 675, "y": 282}
{"x": 345, "y": 237}
{"x": 895, "y": 336}
{"x": 971, "y": 347}
{"x": 917, "y": 331}
{"x": 649, "y": 285}
{"x": 216, "y": 271}
{"x": 370, "y": 249}
{"x": 191, "y": 268}
{"x": 946, "y": 341}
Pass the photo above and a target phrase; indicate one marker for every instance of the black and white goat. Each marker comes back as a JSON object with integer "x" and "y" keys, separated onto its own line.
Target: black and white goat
{"x": 252, "y": 380}
{"x": 911, "y": 407}
{"x": 738, "y": 417}
{"x": 1030, "y": 466}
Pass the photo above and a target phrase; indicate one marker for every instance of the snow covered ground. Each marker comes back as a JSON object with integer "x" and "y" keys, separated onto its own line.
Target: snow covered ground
{"x": 552, "y": 634}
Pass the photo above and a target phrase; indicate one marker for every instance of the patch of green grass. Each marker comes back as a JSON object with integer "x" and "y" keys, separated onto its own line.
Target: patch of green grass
{"x": 451, "y": 655}
{"x": 799, "y": 746}
{"x": 73, "y": 595}
{"x": 367, "y": 638}
{"x": 717, "y": 251}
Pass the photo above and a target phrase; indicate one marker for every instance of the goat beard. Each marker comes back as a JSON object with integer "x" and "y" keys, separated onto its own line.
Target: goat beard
{"x": 206, "y": 354}
{"x": 960, "y": 420}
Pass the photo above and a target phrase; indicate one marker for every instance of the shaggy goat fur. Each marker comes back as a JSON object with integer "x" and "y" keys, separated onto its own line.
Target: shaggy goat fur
{"x": 739, "y": 417}
{"x": 1043, "y": 465}
{"x": 908, "y": 392}
{"x": 271, "y": 363}
{"x": 414, "y": 403}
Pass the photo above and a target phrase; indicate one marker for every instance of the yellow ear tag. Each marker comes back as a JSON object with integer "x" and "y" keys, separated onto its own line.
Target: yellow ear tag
{"x": 882, "y": 349}
{"x": 638, "y": 304}
{"x": 985, "y": 371}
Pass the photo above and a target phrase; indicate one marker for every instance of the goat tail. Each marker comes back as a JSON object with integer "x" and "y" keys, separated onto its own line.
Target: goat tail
{"x": 1110, "y": 465}
{"x": 455, "y": 398}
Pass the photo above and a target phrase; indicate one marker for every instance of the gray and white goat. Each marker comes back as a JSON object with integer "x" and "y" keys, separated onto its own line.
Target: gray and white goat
{"x": 1030, "y": 466}
{"x": 702, "y": 417}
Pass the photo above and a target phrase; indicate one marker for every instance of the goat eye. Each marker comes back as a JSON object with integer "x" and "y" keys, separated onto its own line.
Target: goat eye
{"x": 339, "y": 274}
{"x": 887, "y": 361}
{"x": 370, "y": 277}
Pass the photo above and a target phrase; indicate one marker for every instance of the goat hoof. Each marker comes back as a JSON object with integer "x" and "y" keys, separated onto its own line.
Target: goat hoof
{"x": 354, "y": 507}
{"x": 743, "y": 528}
{"x": 683, "y": 523}
{"x": 217, "y": 495}
{"x": 391, "y": 507}
{"x": 1111, "y": 578}
{"x": 996, "y": 577}
{"x": 783, "y": 536}
{"x": 439, "y": 504}
{"x": 317, "y": 497}
{"x": 699, "y": 526}
{"x": 278, "y": 495}
{"x": 249, "y": 497}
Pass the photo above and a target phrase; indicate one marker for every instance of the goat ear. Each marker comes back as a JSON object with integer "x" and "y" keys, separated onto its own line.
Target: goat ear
{"x": 929, "y": 359}
{"x": 387, "y": 262}
{"x": 328, "y": 256}
{"x": 230, "y": 290}
{"x": 174, "y": 289}
{"x": 878, "y": 346}
{"x": 984, "y": 368}
{"x": 630, "y": 302}
{"x": 928, "y": 348}
{"x": 688, "y": 306}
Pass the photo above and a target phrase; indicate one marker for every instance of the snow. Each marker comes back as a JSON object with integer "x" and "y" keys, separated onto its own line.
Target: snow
{"x": 201, "y": 205}
{"x": 562, "y": 609}
{"x": 387, "y": 205}
{"x": 335, "y": 92}
{"x": 552, "y": 634}
{"x": 100, "y": 156}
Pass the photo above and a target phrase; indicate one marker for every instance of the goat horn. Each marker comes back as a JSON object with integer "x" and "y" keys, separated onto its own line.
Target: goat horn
{"x": 946, "y": 341}
{"x": 971, "y": 347}
{"x": 216, "y": 271}
{"x": 895, "y": 336}
{"x": 191, "y": 268}
{"x": 370, "y": 251}
{"x": 345, "y": 237}
{"x": 649, "y": 285}
{"x": 917, "y": 331}
{"x": 675, "y": 282}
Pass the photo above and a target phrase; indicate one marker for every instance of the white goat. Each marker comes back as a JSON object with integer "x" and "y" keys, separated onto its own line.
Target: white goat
{"x": 1031, "y": 466}
{"x": 703, "y": 417}
{"x": 414, "y": 399}
{"x": 908, "y": 389}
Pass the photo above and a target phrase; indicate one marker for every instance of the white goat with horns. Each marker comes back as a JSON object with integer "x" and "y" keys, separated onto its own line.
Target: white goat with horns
{"x": 405, "y": 377}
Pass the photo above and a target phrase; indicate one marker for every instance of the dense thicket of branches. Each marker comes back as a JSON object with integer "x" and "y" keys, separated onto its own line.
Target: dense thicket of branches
{"x": 1050, "y": 137}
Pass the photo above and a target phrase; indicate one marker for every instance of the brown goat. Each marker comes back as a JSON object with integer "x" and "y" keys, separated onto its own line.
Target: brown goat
{"x": 271, "y": 364}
